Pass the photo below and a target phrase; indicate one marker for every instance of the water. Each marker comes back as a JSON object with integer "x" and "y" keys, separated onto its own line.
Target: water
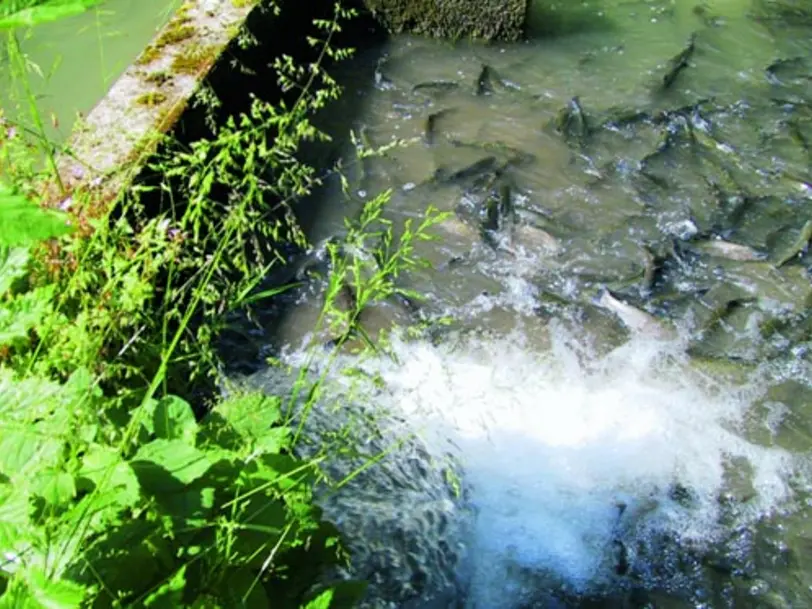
{"x": 598, "y": 465}
{"x": 81, "y": 57}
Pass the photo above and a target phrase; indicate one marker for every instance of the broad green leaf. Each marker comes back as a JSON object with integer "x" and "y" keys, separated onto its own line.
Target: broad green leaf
{"x": 50, "y": 594}
{"x": 57, "y": 488}
{"x": 25, "y": 223}
{"x": 322, "y": 601}
{"x": 15, "y": 511}
{"x": 111, "y": 475}
{"x": 23, "y": 313}
{"x": 273, "y": 440}
{"x": 182, "y": 462}
{"x": 174, "y": 419}
{"x": 192, "y": 507}
{"x": 251, "y": 414}
{"x": 25, "y": 449}
{"x": 43, "y": 12}
{"x": 170, "y": 594}
{"x": 13, "y": 266}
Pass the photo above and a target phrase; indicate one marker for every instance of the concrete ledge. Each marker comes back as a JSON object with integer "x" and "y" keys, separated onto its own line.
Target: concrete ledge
{"x": 108, "y": 148}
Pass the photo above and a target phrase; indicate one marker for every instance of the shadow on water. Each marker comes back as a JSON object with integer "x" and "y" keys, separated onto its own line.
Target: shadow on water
{"x": 245, "y": 73}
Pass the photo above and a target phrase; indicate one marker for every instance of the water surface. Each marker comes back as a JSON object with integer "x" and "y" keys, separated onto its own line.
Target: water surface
{"x": 602, "y": 466}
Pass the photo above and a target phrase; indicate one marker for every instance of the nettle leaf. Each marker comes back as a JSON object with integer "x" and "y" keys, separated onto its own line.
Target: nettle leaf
{"x": 165, "y": 465}
{"x": 112, "y": 477}
{"x": 23, "y": 313}
{"x": 23, "y": 222}
{"x": 251, "y": 414}
{"x": 173, "y": 419}
{"x": 56, "y": 487}
{"x": 15, "y": 512}
{"x": 26, "y": 449}
{"x": 34, "y": 590}
{"x": 13, "y": 266}
{"x": 170, "y": 594}
{"x": 274, "y": 440}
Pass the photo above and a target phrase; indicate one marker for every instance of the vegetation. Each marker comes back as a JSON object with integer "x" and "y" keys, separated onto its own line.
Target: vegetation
{"x": 115, "y": 491}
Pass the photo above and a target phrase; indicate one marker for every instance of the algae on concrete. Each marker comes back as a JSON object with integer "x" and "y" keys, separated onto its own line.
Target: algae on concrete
{"x": 453, "y": 19}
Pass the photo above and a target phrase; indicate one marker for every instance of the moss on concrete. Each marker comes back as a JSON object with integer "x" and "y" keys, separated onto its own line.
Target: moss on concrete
{"x": 453, "y": 19}
{"x": 195, "y": 60}
{"x": 152, "y": 98}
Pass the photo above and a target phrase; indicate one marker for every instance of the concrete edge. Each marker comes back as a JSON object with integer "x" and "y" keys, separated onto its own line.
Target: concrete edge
{"x": 108, "y": 148}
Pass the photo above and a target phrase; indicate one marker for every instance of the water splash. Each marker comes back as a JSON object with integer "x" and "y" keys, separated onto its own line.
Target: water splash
{"x": 565, "y": 457}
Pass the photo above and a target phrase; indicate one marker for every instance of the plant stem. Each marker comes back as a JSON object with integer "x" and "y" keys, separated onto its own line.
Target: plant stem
{"x": 18, "y": 59}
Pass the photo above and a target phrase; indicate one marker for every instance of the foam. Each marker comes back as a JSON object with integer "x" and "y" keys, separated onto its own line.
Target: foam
{"x": 551, "y": 443}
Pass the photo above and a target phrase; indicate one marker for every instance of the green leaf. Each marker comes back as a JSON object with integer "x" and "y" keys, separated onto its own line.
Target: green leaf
{"x": 25, "y": 449}
{"x": 44, "y": 593}
{"x": 15, "y": 511}
{"x": 113, "y": 477}
{"x": 170, "y": 594}
{"x": 23, "y": 313}
{"x": 322, "y": 601}
{"x": 173, "y": 458}
{"x": 43, "y": 12}
{"x": 22, "y": 222}
{"x": 13, "y": 266}
{"x": 57, "y": 488}
{"x": 173, "y": 419}
{"x": 274, "y": 440}
{"x": 251, "y": 414}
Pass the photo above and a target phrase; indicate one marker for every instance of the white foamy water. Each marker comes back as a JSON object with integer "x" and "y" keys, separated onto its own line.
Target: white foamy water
{"x": 552, "y": 444}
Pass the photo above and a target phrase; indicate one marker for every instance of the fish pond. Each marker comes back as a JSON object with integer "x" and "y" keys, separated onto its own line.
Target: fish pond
{"x": 622, "y": 378}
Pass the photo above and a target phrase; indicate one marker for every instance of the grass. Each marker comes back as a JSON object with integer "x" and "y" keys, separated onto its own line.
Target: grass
{"x": 117, "y": 488}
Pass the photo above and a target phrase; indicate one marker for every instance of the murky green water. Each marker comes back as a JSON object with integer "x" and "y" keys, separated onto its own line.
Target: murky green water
{"x": 681, "y": 184}
{"x": 81, "y": 57}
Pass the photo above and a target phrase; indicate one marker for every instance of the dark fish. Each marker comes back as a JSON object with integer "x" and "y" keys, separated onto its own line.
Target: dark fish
{"x": 679, "y": 62}
{"x": 486, "y": 80}
{"x": 436, "y": 87}
{"x": 382, "y": 81}
{"x": 797, "y": 135}
{"x": 572, "y": 123}
{"x": 483, "y": 166}
{"x": 431, "y": 124}
{"x": 515, "y": 157}
{"x": 799, "y": 245}
{"x": 781, "y": 65}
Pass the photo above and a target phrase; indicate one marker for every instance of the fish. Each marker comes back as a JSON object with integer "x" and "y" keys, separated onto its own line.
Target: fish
{"x": 431, "y": 124}
{"x": 679, "y": 62}
{"x": 729, "y": 250}
{"x": 382, "y": 81}
{"x": 486, "y": 165}
{"x": 515, "y": 156}
{"x": 572, "y": 122}
{"x": 436, "y": 87}
{"x": 633, "y": 318}
{"x": 486, "y": 80}
{"x": 534, "y": 238}
{"x": 800, "y": 245}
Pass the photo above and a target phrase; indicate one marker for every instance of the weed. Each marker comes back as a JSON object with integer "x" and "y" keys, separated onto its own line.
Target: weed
{"x": 114, "y": 491}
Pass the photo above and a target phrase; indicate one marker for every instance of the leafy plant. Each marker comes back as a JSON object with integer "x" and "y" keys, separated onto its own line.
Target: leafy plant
{"x": 114, "y": 490}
